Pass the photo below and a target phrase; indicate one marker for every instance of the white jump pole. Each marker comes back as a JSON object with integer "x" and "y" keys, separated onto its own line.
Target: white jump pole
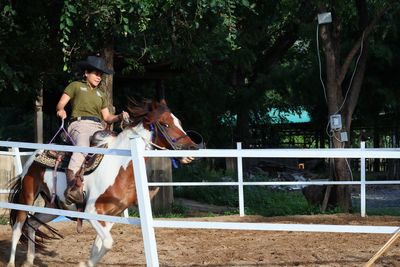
{"x": 240, "y": 181}
{"x": 362, "y": 187}
{"x": 142, "y": 191}
{"x": 17, "y": 160}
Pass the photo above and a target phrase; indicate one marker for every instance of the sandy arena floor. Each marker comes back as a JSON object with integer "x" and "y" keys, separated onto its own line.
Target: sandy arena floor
{"x": 193, "y": 247}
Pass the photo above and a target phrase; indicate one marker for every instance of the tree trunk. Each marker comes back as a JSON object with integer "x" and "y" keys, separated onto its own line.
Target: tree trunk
{"x": 39, "y": 115}
{"x": 376, "y": 145}
{"x": 242, "y": 127}
{"x": 107, "y": 86}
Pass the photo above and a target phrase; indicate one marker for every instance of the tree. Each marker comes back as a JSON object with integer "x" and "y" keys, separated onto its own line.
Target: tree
{"x": 342, "y": 99}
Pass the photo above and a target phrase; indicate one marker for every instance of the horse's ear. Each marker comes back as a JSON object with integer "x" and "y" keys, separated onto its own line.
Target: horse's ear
{"x": 154, "y": 104}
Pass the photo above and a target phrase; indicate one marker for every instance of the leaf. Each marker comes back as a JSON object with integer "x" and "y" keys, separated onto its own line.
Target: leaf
{"x": 126, "y": 29}
{"x": 7, "y": 8}
{"x": 69, "y": 22}
{"x": 245, "y": 3}
{"x": 71, "y": 8}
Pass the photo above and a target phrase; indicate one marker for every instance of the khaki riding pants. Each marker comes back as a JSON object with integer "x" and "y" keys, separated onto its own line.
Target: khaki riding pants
{"x": 81, "y": 131}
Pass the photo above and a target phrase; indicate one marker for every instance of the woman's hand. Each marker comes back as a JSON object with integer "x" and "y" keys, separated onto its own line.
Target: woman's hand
{"x": 124, "y": 116}
{"x": 62, "y": 114}
{"x": 186, "y": 160}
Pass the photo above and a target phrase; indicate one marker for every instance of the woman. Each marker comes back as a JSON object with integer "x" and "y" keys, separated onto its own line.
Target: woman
{"x": 89, "y": 107}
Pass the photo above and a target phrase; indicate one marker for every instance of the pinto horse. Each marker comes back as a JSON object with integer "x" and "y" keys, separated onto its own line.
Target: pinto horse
{"x": 110, "y": 189}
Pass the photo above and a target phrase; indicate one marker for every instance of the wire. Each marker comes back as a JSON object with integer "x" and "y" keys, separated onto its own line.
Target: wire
{"x": 319, "y": 64}
{"x": 354, "y": 72}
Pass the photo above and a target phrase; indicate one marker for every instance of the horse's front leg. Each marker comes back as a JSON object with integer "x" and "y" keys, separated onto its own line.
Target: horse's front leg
{"x": 102, "y": 244}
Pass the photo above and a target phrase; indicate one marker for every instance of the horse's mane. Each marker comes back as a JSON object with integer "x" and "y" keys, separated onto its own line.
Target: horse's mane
{"x": 145, "y": 111}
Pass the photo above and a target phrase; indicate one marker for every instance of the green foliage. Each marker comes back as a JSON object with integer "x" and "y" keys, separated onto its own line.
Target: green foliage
{"x": 15, "y": 127}
{"x": 219, "y": 60}
{"x": 8, "y": 27}
{"x": 66, "y": 26}
{"x": 177, "y": 212}
{"x": 3, "y": 220}
{"x": 384, "y": 212}
{"x": 260, "y": 200}
{"x": 218, "y": 195}
{"x": 7, "y": 19}
{"x": 267, "y": 202}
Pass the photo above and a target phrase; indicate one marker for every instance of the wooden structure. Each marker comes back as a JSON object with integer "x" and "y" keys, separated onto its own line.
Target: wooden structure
{"x": 160, "y": 170}
{"x": 7, "y": 173}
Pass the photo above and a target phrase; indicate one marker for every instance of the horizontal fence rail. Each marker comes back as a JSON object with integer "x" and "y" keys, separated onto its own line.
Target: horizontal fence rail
{"x": 273, "y": 183}
{"x": 226, "y": 153}
{"x": 146, "y": 221}
{"x": 69, "y": 213}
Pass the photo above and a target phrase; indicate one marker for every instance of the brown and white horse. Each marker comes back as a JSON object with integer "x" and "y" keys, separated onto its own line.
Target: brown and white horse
{"x": 110, "y": 189}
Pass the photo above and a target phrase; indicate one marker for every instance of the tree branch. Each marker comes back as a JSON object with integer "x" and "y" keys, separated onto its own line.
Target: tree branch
{"x": 357, "y": 45}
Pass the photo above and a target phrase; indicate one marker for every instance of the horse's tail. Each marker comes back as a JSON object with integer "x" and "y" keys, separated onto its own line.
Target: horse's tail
{"x": 15, "y": 187}
{"x": 41, "y": 236}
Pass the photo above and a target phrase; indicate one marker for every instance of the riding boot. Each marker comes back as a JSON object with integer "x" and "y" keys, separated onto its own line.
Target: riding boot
{"x": 73, "y": 193}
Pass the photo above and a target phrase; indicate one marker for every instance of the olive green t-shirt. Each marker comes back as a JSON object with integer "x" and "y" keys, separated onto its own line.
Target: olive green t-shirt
{"x": 84, "y": 100}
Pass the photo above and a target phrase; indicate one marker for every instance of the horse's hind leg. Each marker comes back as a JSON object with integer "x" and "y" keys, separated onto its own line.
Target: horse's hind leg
{"x": 16, "y": 235}
{"x": 25, "y": 191}
{"x": 45, "y": 218}
{"x": 20, "y": 218}
{"x": 102, "y": 244}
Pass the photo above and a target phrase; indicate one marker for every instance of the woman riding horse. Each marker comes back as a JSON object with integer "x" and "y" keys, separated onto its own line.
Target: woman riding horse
{"x": 89, "y": 106}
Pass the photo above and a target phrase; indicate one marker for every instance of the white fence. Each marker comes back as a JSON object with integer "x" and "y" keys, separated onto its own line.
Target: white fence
{"x": 138, "y": 153}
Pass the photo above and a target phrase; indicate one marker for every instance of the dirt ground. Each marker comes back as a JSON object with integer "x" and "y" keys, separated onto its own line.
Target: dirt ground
{"x": 194, "y": 247}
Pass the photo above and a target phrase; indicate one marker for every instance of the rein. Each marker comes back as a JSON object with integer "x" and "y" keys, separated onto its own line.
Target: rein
{"x": 65, "y": 131}
{"x": 58, "y": 160}
{"x": 171, "y": 142}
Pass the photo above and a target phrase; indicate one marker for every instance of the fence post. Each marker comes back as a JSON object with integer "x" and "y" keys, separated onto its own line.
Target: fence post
{"x": 240, "y": 180}
{"x": 17, "y": 160}
{"x": 142, "y": 191}
{"x": 362, "y": 180}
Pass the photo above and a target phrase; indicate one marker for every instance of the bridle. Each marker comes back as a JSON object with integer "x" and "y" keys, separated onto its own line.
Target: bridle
{"x": 159, "y": 128}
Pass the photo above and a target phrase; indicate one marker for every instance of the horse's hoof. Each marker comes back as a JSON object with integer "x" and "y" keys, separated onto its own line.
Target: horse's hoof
{"x": 84, "y": 264}
{"x": 27, "y": 264}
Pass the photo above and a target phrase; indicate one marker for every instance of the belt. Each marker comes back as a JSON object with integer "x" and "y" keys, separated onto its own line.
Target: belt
{"x": 90, "y": 118}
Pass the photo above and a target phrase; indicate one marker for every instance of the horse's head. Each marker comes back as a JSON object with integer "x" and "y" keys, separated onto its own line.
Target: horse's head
{"x": 167, "y": 131}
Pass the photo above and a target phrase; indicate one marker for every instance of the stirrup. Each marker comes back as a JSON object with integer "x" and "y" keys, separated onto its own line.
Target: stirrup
{"x": 74, "y": 196}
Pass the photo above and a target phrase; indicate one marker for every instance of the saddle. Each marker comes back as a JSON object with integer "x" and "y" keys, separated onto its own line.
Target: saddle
{"x": 59, "y": 159}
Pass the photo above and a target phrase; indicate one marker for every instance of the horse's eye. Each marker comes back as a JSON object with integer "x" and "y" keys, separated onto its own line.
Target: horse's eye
{"x": 166, "y": 125}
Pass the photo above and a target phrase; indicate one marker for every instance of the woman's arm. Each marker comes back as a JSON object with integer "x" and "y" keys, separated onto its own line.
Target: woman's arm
{"x": 110, "y": 118}
{"x": 61, "y": 105}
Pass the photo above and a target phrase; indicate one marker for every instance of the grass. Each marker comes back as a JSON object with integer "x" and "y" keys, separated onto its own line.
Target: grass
{"x": 259, "y": 200}
{"x": 381, "y": 211}
{"x": 3, "y": 220}
{"x": 178, "y": 211}
{"x": 384, "y": 212}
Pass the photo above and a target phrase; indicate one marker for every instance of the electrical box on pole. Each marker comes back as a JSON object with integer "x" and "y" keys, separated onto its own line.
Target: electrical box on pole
{"x": 324, "y": 18}
{"x": 336, "y": 122}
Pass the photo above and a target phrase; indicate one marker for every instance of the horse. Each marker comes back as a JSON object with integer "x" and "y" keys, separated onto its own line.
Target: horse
{"x": 110, "y": 188}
